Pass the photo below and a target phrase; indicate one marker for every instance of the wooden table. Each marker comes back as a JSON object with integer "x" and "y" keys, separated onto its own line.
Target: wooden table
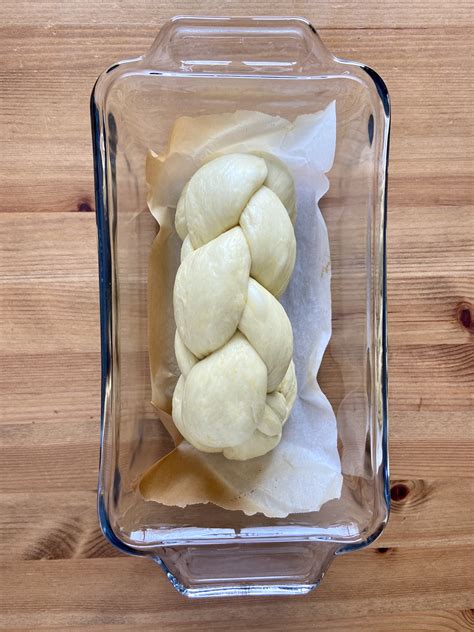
{"x": 57, "y": 571}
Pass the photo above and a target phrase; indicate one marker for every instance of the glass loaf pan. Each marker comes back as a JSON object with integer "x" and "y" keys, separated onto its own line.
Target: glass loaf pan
{"x": 278, "y": 66}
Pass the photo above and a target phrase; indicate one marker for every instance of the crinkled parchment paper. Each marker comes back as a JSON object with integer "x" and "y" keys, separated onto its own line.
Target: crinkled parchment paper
{"x": 303, "y": 471}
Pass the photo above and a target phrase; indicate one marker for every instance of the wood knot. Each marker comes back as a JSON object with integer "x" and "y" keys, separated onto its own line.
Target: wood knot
{"x": 409, "y": 494}
{"x": 468, "y": 616}
{"x": 84, "y": 207}
{"x": 59, "y": 543}
{"x": 387, "y": 551}
{"x": 399, "y": 492}
{"x": 464, "y": 315}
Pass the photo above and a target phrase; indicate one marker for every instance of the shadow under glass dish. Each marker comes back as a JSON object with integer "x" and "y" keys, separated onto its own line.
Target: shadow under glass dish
{"x": 278, "y": 66}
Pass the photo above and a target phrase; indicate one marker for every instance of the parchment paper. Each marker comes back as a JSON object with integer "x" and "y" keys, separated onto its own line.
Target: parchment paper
{"x": 304, "y": 470}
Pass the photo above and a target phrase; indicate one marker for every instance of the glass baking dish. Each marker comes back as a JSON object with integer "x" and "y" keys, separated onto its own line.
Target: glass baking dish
{"x": 278, "y": 66}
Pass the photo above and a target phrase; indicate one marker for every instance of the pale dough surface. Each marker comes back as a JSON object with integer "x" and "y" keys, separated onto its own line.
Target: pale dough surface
{"x": 234, "y": 341}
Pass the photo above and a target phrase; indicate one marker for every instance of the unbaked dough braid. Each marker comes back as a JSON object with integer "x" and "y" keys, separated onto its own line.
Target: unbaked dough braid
{"x": 234, "y": 342}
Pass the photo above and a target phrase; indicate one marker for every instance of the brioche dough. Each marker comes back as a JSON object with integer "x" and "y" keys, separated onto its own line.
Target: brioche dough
{"x": 234, "y": 341}
{"x": 210, "y": 292}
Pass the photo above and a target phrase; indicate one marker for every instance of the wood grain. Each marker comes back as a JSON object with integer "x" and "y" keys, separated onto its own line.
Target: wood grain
{"x": 352, "y": 14}
{"x": 57, "y": 571}
{"x": 372, "y": 582}
{"x": 437, "y": 621}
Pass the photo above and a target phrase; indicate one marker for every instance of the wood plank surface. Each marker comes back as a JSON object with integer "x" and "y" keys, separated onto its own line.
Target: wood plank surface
{"x": 130, "y": 593}
{"x": 440, "y": 621}
{"x": 57, "y": 572}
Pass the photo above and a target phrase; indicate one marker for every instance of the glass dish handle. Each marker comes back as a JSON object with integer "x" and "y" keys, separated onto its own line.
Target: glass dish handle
{"x": 248, "y": 568}
{"x": 289, "y": 45}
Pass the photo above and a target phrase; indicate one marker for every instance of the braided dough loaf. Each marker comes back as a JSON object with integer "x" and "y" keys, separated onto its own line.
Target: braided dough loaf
{"x": 234, "y": 341}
